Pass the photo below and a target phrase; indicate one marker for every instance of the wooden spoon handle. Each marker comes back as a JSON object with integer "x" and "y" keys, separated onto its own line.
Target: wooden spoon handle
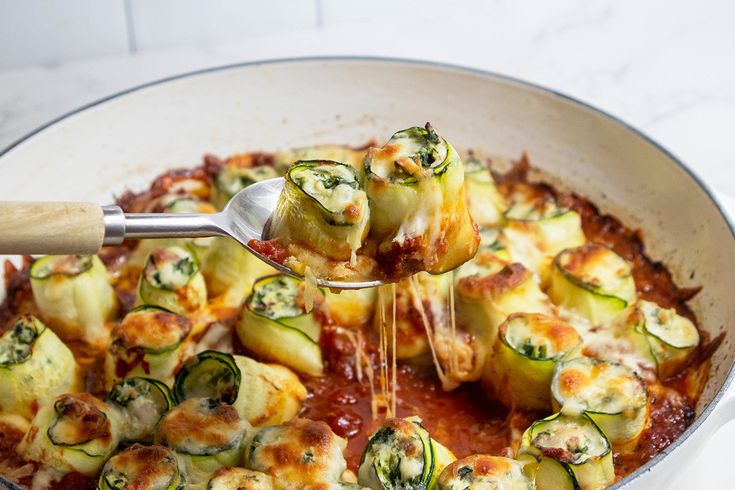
{"x": 51, "y": 228}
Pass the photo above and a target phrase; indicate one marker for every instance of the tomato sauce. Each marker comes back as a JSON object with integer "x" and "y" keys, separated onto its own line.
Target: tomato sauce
{"x": 465, "y": 420}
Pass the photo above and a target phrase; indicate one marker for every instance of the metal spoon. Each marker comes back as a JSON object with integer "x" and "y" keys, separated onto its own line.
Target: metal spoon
{"x": 83, "y": 228}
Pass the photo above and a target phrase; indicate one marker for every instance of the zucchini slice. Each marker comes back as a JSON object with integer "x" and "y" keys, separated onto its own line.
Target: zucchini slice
{"x": 283, "y": 160}
{"x": 486, "y": 204}
{"x": 415, "y": 184}
{"x": 482, "y": 471}
{"x": 592, "y": 281}
{"x": 205, "y": 434}
{"x": 72, "y": 433}
{"x": 142, "y": 467}
{"x": 171, "y": 279}
{"x": 275, "y": 326}
{"x": 671, "y": 337}
{"x": 322, "y": 207}
{"x": 263, "y": 394}
{"x": 484, "y": 301}
{"x": 236, "y": 174}
{"x": 402, "y": 455}
{"x": 150, "y": 341}
{"x": 35, "y": 366}
{"x": 537, "y": 228}
{"x": 74, "y": 296}
{"x": 239, "y": 479}
{"x": 298, "y": 453}
{"x": 230, "y": 271}
{"x": 140, "y": 403}
{"x": 524, "y": 356}
{"x": 582, "y": 453}
{"x": 613, "y": 395}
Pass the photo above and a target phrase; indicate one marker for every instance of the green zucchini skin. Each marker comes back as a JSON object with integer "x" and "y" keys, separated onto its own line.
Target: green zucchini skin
{"x": 35, "y": 367}
{"x": 263, "y": 394}
{"x": 274, "y": 327}
{"x": 74, "y": 297}
{"x": 205, "y": 434}
{"x": 140, "y": 404}
{"x": 415, "y": 185}
{"x": 483, "y": 471}
{"x": 149, "y": 342}
{"x": 527, "y": 349}
{"x": 385, "y": 462}
{"x": 672, "y": 338}
{"x": 73, "y": 432}
{"x": 593, "y": 282}
{"x": 172, "y": 280}
{"x": 298, "y": 453}
{"x": 142, "y": 467}
{"x": 485, "y": 202}
{"x": 567, "y": 452}
{"x": 613, "y": 396}
{"x": 324, "y": 208}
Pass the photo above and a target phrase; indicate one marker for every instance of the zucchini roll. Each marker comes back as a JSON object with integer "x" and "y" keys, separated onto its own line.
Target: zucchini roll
{"x": 205, "y": 434}
{"x": 35, "y": 366}
{"x": 275, "y": 326}
{"x": 283, "y": 160}
{"x": 420, "y": 217}
{"x": 72, "y": 433}
{"x": 613, "y": 395}
{"x": 484, "y": 472}
{"x": 150, "y": 341}
{"x": 592, "y": 281}
{"x": 263, "y": 394}
{"x": 492, "y": 255}
{"x": 236, "y": 174}
{"x": 142, "y": 467}
{"x": 484, "y": 301}
{"x": 323, "y": 208}
{"x": 298, "y": 453}
{"x": 565, "y": 452}
{"x": 524, "y": 356}
{"x": 140, "y": 404}
{"x": 351, "y": 307}
{"x": 230, "y": 271}
{"x": 671, "y": 337}
{"x": 538, "y": 228}
{"x": 486, "y": 204}
{"x": 74, "y": 296}
{"x": 402, "y": 455}
{"x": 239, "y": 479}
{"x": 171, "y": 279}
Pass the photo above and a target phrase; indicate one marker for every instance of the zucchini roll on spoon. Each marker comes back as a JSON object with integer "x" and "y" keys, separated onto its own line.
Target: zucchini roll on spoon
{"x": 72, "y": 433}
{"x": 140, "y": 403}
{"x": 142, "y": 468}
{"x": 275, "y": 326}
{"x": 263, "y": 394}
{"x": 171, "y": 279}
{"x": 613, "y": 395}
{"x": 672, "y": 338}
{"x": 35, "y": 366}
{"x": 205, "y": 434}
{"x": 298, "y": 454}
{"x": 567, "y": 453}
{"x": 524, "y": 355}
{"x": 593, "y": 282}
{"x": 74, "y": 296}
{"x": 402, "y": 455}
{"x": 484, "y": 472}
{"x": 420, "y": 218}
{"x": 150, "y": 341}
{"x": 322, "y": 207}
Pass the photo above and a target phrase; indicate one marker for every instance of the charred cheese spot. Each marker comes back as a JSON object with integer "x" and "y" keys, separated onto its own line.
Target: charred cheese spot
{"x": 483, "y": 471}
{"x": 142, "y": 467}
{"x": 152, "y": 328}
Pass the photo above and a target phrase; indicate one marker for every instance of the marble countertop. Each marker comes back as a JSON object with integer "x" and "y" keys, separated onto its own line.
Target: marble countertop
{"x": 664, "y": 67}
